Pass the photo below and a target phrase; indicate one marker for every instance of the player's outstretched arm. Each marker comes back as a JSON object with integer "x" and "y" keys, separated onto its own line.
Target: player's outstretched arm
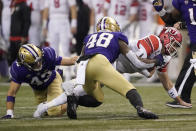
{"x": 68, "y": 61}
{"x": 168, "y": 85}
{"x": 14, "y": 87}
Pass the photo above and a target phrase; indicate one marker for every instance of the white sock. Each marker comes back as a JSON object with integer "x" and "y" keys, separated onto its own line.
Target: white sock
{"x": 62, "y": 99}
{"x": 79, "y": 90}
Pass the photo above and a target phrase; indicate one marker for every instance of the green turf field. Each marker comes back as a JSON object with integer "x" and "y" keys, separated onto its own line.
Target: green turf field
{"x": 116, "y": 114}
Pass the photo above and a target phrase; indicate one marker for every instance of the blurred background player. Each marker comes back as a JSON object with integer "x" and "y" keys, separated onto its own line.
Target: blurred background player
{"x": 185, "y": 10}
{"x": 5, "y": 20}
{"x": 20, "y": 23}
{"x": 5, "y": 34}
{"x": 83, "y": 16}
{"x": 36, "y": 67}
{"x": 148, "y": 19}
{"x": 126, "y": 12}
{"x": 96, "y": 12}
{"x": 60, "y": 30}
{"x": 36, "y": 21}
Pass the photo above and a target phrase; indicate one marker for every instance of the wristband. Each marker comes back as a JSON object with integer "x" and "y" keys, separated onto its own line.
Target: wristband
{"x": 162, "y": 12}
{"x": 172, "y": 93}
{"x": 10, "y": 99}
{"x": 73, "y": 23}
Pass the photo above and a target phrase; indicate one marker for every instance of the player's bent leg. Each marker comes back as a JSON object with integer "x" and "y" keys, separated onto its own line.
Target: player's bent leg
{"x": 40, "y": 97}
{"x": 100, "y": 69}
{"x": 55, "y": 90}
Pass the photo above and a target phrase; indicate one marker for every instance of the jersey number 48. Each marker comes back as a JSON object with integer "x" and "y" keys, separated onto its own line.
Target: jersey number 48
{"x": 103, "y": 40}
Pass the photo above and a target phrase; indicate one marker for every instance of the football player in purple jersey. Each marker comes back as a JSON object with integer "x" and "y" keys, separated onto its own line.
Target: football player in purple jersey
{"x": 36, "y": 67}
{"x": 100, "y": 50}
{"x": 186, "y": 10}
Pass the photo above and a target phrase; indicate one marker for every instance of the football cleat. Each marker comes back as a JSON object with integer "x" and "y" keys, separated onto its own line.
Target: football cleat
{"x": 7, "y": 117}
{"x": 72, "y": 107}
{"x": 175, "y": 104}
{"x": 40, "y": 111}
{"x": 143, "y": 113}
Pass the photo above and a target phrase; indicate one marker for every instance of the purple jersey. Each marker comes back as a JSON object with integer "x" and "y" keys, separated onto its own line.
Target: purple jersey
{"x": 188, "y": 11}
{"x": 41, "y": 79}
{"x": 105, "y": 43}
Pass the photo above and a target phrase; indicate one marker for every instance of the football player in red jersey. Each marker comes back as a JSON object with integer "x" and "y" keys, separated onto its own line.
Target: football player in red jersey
{"x": 164, "y": 47}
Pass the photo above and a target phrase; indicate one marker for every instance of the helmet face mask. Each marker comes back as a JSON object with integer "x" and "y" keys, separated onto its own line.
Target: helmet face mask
{"x": 30, "y": 56}
{"x": 108, "y": 24}
{"x": 171, "y": 48}
{"x": 171, "y": 39}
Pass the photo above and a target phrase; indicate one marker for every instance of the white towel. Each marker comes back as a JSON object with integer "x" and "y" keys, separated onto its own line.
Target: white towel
{"x": 81, "y": 72}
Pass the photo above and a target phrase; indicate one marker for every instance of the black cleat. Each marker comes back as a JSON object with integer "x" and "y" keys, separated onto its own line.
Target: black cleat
{"x": 143, "y": 113}
{"x": 72, "y": 106}
{"x": 175, "y": 104}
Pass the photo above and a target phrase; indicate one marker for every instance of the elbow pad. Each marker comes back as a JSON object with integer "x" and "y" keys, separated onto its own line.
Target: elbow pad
{"x": 136, "y": 62}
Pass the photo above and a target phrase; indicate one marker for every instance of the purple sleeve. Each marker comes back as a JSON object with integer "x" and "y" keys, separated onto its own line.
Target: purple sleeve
{"x": 58, "y": 60}
{"x": 14, "y": 71}
{"x": 87, "y": 38}
{"x": 176, "y": 4}
{"x": 123, "y": 38}
{"x": 50, "y": 56}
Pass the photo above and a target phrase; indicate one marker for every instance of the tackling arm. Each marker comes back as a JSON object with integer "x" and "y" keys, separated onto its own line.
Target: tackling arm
{"x": 137, "y": 61}
{"x": 68, "y": 61}
{"x": 168, "y": 85}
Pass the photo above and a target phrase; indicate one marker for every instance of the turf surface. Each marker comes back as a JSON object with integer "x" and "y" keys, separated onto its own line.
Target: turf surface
{"x": 115, "y": 114}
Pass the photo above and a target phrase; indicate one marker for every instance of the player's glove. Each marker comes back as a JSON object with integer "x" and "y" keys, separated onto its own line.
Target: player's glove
{"x": 145, "y": 113}
{"x": 159, "y": 60}
{"x": 158, "y": 5}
